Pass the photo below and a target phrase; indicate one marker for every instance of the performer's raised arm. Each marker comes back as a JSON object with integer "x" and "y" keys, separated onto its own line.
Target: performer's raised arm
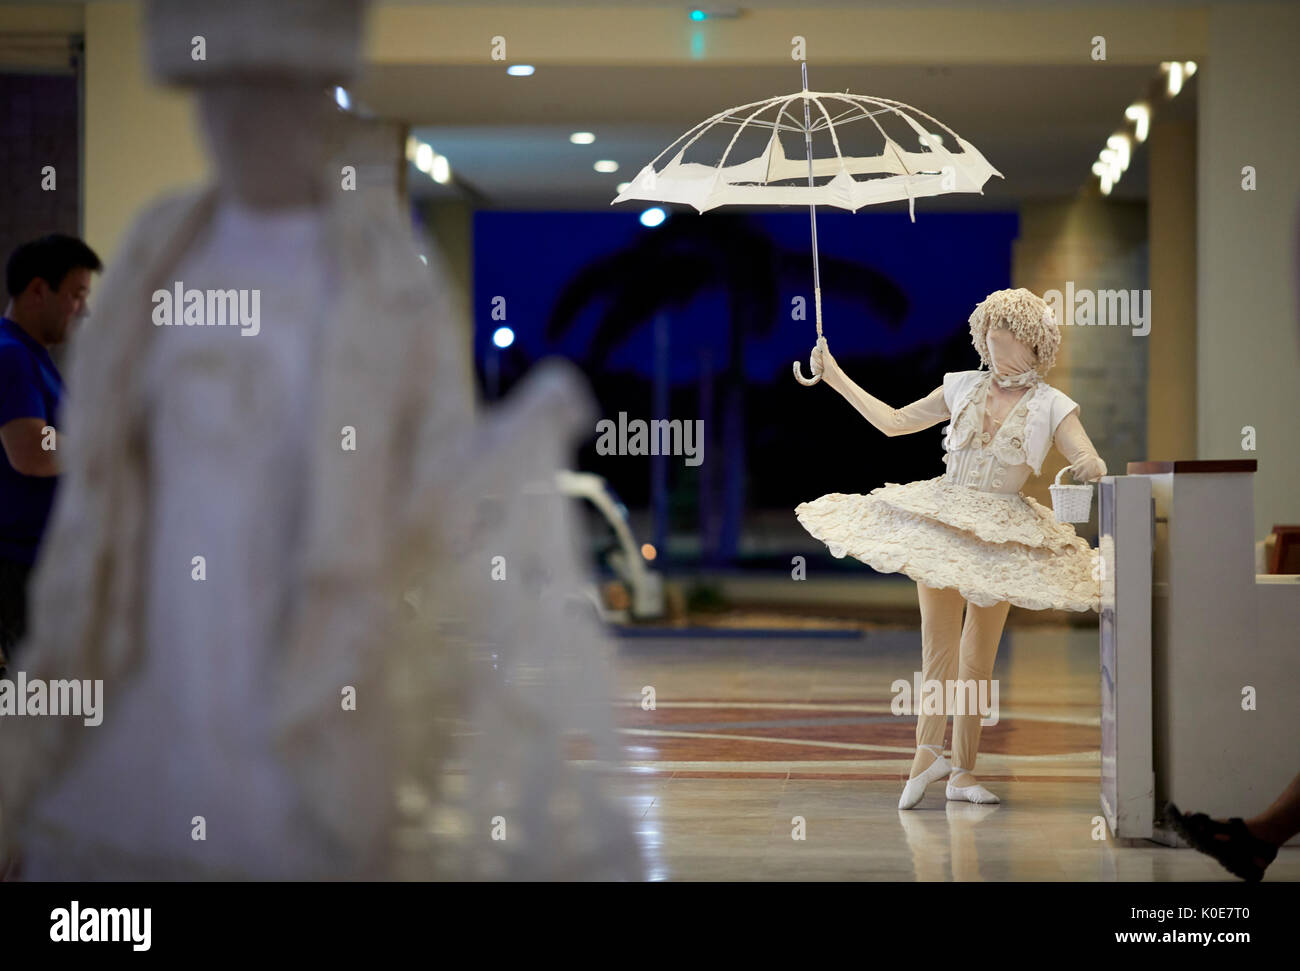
{"x": 919, "y": 415}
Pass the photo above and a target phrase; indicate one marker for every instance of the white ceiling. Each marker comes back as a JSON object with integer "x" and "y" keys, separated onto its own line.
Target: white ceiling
{"x": 796, "y": 4}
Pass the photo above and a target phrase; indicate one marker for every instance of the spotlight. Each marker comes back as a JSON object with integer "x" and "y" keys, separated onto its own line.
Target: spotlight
{"x": 653, "y": 217}
{"x": 520, "y": 70}
{"x": 582, "y": 138}
{"x": 606, "y": 165}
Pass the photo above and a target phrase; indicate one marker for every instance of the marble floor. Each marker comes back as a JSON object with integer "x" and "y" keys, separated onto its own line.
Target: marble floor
{"x": 747, "y": 734}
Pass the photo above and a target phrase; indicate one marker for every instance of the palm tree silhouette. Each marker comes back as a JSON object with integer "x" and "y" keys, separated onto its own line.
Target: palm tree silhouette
{"x": 668, "y": 267}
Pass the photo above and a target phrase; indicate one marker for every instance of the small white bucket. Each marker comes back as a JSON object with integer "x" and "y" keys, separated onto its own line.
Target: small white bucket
{"x": 1071, "y": 503}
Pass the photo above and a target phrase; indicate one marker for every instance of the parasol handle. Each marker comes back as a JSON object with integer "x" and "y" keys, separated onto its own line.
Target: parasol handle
{"x": 798, "y": 369}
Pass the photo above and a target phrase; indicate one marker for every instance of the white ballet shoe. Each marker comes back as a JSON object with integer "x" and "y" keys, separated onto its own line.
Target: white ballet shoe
{"x": 972, "y": 793}
{"x": 915, "y": 788}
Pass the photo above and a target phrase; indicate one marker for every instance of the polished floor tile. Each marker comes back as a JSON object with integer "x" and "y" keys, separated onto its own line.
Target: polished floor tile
{"x": 781, "y": 759}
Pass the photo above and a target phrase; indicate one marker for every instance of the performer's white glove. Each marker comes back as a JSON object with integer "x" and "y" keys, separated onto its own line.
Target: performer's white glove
{"x": 1089, "y": 469}
{"x": 823, "y": 363}
{"x": 1085, "y": 464}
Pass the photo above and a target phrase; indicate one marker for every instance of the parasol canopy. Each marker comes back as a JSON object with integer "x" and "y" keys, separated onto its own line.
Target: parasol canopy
{"x": 847, "y": 181}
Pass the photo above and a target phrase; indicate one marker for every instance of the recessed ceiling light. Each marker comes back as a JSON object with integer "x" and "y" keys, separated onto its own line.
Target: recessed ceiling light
{"x": 519, "y": 70}
{"x": 1119, "y": 144}
{"x": 582, "y": 138}
{"x": 606, "y": 165}
{"x": 1175, "y": 80}
{"x": 424, "y": 157}
{"x": 1102, "y": 171}
{"x": 1140, "y": 115}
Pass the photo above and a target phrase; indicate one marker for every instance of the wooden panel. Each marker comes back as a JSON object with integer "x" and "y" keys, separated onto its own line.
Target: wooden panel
{"x": 1192, "y": 465}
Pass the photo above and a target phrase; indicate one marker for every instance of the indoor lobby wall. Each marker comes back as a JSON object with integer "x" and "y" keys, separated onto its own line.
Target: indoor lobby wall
{"x": 1248, "y": 313}
{"x": 1097, "y": 244}
{"x": 142, "y": 140}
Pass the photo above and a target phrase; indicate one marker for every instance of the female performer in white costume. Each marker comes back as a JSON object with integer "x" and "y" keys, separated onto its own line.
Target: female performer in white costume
{"x": 968, "y": 538}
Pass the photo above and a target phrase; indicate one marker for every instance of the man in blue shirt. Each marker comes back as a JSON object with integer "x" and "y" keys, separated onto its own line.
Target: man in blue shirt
{"x": 49, "y": 283}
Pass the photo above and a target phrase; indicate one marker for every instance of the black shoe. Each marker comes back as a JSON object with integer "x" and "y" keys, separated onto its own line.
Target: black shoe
{"x": 1230, "y": 843}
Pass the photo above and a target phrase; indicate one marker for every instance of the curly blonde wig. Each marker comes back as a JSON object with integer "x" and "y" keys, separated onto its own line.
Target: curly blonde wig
{"x": 1029, "y": 318}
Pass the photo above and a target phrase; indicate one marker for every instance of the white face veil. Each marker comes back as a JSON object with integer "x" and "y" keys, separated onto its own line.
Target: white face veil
{"x": 1013, "y": 363}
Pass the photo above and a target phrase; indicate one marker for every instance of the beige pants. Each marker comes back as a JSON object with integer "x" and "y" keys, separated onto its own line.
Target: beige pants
{"x": 951, "y": 650}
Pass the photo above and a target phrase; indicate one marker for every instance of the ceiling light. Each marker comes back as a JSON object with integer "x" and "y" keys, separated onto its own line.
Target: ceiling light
{"x": 1102, "y": 171}
{"x": 341, "y": 98}
{"x": 424, "y": 157}
{"x": 653, "y": 217}
{"x": 441, "y": 171}
{"x": 1111, "y": 159}
{"x": 1140, "y": 115}
{"x": 1120, "y": 145}
{"x": 606, "y": 165}
{"x": 582, "y": 138}
{"x": 1175, "y": 71}
{"x": 503, "y": 337}
{"x": 519, "y": 70}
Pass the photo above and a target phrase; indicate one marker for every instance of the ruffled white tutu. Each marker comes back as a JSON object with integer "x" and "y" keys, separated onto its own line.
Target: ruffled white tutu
{"x": 989, "y": 546}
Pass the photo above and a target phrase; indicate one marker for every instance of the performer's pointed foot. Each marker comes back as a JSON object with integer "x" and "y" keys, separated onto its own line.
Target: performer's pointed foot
{"x": 915, "y": 788}
{"x": 972, "y": 791}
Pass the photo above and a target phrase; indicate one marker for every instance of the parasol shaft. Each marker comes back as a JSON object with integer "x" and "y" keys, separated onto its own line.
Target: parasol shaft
{"x": 812, "y": 208}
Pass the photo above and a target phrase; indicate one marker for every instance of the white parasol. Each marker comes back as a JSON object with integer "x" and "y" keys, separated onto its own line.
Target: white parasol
{"x": 769, "y": 179}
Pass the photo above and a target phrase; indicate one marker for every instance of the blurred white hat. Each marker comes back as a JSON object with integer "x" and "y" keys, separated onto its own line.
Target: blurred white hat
{"x": 304, "y": 39}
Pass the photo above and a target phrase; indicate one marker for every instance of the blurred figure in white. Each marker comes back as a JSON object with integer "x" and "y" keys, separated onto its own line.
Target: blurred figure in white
{"x": 242, "y": 505}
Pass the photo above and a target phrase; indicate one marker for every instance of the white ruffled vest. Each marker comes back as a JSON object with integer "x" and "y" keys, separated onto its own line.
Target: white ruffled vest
{"x": 1003, "y": 461}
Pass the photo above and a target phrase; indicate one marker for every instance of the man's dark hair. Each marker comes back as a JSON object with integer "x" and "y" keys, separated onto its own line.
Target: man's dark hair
{"x": 51, "y": 258}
